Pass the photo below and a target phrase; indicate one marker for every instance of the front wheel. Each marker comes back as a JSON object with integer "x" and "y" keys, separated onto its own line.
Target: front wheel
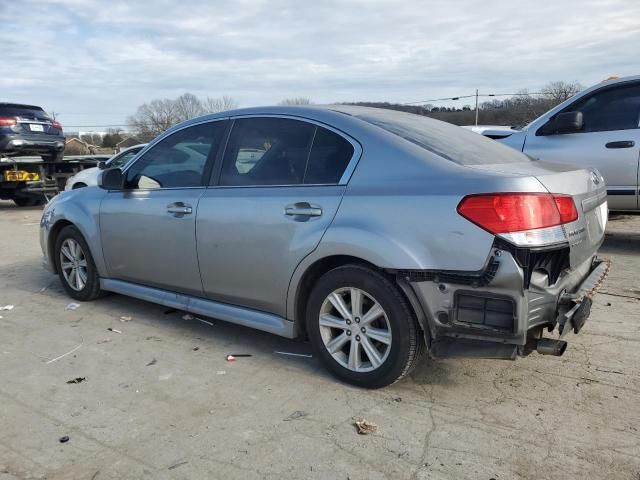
{"x": 362, "y": 327}
{"x": 75, "y": 265}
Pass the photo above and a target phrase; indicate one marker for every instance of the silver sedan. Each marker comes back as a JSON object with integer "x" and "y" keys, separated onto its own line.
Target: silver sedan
{"x": 378, "y": 235}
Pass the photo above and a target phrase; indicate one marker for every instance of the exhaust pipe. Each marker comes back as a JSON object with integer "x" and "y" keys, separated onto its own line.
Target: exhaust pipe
{"x": 549, "y": 346}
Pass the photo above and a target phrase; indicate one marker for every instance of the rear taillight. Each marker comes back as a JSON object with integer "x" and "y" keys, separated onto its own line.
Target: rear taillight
{"x": 56, "y": 124}
{"x": 501, "y": 213}
{"x": 8, "y": 121}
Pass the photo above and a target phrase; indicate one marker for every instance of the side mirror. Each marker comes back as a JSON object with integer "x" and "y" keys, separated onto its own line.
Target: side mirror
{"x": 567, "y": 122}
{"x": 102, "y": 165}
{"x": 111, "y": 179}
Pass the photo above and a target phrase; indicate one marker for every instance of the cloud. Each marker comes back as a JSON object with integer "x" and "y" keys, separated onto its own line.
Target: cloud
{"x": 95, "y": 62}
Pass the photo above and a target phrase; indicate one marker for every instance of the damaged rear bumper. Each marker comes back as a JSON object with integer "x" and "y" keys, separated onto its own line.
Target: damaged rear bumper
{"x": 505, "y": 315}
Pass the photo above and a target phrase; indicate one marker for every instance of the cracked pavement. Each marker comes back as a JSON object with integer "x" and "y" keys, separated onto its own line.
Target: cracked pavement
{"x": 192, "y": 414}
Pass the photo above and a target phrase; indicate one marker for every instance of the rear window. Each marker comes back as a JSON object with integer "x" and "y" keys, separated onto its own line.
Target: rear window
{"x": 453, "y": 143}
{"x": 22, "y": 111}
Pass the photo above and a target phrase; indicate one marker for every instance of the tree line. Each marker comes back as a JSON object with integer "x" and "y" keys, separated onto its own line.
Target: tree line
{"x": 153, "y": 118}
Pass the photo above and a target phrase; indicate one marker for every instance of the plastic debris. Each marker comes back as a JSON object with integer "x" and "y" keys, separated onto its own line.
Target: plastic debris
{"x": 64, "y": 439}
{"x": 187, "y": 316}
{"x": 211, "y": 324}
{"x": 114, "y": 330}
{"x": 7, "y": 307}
{"x": 104, "y": 340}
{"x": 65, "y": 354}
{"x": 72, "y": 306}
{"x": 231, "y": 358}
{"x": 125, "y": 318}
{"x": 221, "y": 372}
{"x": 152, "y": 362}
{"x": 365, "y": 427}
{"x": 305, "y": 355}
{"x": 77, "y": 380}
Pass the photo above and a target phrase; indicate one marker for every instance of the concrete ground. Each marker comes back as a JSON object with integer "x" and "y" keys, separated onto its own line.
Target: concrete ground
{"x": 160, "y": 401}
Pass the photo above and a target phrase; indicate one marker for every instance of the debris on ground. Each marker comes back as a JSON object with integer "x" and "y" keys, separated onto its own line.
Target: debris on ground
{"x": 104, "y": 340}
{"x": 177, "y": 465}
{"x": 365, "y": 427}
{"x": 68, "y": 353}
{"x": 125, "y": 318}
{"x": 296, "y": 415}
{"x": 397, "y": 399}
{"x": 114, "y": 330}
{"x": 187, "y": 316}
{"x": 221, "y": 372}
{"x": 211, "y": 324}
{"x": 238, "y": 355}
{"x": 64, "y": 439}
{"x": 305, "y": 355}
{"x": 195, "y": 349}
{"x": 231, "y": 358}
{"x": 7, "y": 307}
{"x": 72, "y": 306}
{"x": 152, "y": 362}
{"x": 77, "y": 380}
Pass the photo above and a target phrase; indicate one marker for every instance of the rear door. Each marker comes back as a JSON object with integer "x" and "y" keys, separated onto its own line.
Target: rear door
{"x": 277, "y": 190}
{"x": 148, "y": 229}
{"x": 609, "y": 141}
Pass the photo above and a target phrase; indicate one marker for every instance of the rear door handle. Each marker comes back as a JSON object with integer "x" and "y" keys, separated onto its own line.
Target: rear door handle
{"x": 179, "y": 209}
{"x": 621, "y": 144}
{"x": 302, "y": 211}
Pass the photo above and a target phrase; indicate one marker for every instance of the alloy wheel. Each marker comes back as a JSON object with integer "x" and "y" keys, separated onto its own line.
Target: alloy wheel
{"x": 355, "y": 329}
{"x": 73, "y": 264}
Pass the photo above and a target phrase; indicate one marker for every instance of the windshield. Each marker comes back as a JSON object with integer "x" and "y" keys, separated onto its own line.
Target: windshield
{"x": 453, "y": 143}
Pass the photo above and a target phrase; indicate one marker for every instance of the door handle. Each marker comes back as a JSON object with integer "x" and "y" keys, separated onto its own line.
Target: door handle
{"x": 302, "y": 211}
{"x": 179, "y": 209}
{"x": 621, "y": 144}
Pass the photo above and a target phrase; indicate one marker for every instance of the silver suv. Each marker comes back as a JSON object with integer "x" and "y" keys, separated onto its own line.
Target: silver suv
{"x": 377, "y": 234}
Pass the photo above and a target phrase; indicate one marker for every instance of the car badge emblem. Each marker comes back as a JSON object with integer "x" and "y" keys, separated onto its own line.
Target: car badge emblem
{"x": 595, "y": 178}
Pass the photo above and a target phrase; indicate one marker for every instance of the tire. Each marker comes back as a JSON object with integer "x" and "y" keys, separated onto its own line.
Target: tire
{"x": 78, "y": 185}
{"x": 398, "y": 341}
{"x": 53, "y": 157}
{"x": 87, "y": 287}
{"x": 29, "y": 200}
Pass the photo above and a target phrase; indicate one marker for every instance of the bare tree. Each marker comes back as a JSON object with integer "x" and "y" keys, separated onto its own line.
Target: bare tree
{"x": 215, "y": 105}
{"x": 153, "y": 118}
{"x": 558, "y": 92}
{"x": 296, "y": 101}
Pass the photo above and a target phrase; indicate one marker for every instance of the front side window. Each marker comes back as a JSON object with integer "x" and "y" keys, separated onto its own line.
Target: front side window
{"x": 610, "y": 109}
{"x": 266, "y": 151}
{"x": 177, "y": 161}
{"x": 124, "y": 158}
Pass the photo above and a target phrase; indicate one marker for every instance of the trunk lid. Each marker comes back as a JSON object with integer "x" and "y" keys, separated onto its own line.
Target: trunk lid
{"x": 586, "y": 187}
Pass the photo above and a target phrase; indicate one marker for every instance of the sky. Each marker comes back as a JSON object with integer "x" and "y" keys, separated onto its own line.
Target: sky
{"x": 94, "y": 62}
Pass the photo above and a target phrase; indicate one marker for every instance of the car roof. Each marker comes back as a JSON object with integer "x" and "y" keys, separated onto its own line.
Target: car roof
{"x": 20, "y": 105}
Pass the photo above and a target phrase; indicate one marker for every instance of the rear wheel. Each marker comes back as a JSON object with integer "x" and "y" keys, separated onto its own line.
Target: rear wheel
{"x": 362, "y": 328}
{"x": 75, "y": 266}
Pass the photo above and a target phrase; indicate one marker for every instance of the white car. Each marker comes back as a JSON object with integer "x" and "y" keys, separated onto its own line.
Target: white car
{"x": 89, "y": 176}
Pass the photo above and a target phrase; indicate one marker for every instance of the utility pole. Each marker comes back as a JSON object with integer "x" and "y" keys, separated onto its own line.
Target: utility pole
{"x": 476, "y": 107}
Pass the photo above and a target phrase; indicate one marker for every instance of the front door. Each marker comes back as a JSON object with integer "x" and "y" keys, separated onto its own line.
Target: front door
{"x": 609, "y": 141}
{"x": 279, "y": 188}
{"x": 148, "y": 228}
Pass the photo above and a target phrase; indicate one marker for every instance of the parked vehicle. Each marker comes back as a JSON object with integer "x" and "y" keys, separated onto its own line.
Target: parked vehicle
{"x": 376, "y": 233}
{"x": 597, "y": 128}
{"x": 28, "y": 130}
{"x": 89, "y": 176}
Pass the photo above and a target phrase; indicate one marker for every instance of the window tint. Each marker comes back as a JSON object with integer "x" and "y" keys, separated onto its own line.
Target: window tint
{"x": 28, "y": 111}
{"x": 611, "y": 109}
{"x": 330, "y": 155}
{"x": 266, "y": 151}
{"x": 445, "y": 140}
{"x": 177, "y": 161}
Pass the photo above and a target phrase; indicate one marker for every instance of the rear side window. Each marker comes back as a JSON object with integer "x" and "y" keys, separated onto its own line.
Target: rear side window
{"x": 448, "y": 141}
{"x": 611, "y": 109}
{"x": 266, "y": 151}
{"x": 330, "y": 155}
